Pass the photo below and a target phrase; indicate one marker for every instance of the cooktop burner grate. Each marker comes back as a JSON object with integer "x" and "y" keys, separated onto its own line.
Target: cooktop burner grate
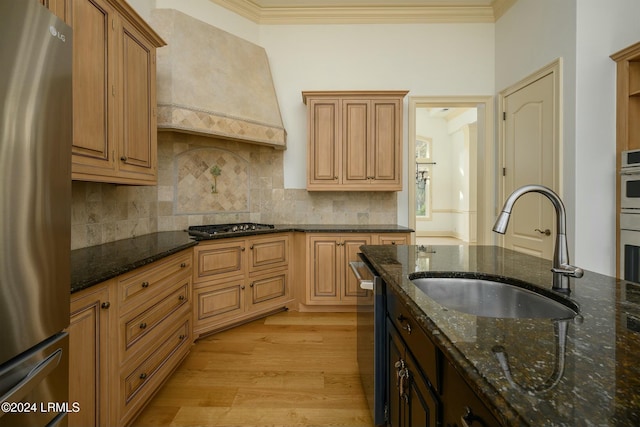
{"x": 208, "y": 231}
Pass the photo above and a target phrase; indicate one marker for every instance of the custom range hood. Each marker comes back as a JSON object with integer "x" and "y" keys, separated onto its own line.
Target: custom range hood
{"x": 212, "y": 83}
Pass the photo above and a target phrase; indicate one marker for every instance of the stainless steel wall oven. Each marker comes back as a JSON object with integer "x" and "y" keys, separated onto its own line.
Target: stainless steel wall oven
{"x": 630, "y": 216}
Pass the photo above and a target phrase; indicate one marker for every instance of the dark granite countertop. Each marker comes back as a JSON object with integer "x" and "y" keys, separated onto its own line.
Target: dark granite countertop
{"x": 95, "y": 264}
{"x": 599, "y": 381}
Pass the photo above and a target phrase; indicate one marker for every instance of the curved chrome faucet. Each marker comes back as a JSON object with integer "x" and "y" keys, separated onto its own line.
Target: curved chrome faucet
{"x": 561, "y": 268}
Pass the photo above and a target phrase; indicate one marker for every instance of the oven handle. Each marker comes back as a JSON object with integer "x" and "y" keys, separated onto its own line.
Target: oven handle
{"x": 357, "y": 267}
{"x": 630, "y": 170}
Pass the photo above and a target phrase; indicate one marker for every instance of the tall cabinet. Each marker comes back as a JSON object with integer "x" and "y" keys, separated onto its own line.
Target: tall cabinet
{"x": 114, "y": 91}
{"x": 627, "y": 115}
{"x": 354, "y": 140}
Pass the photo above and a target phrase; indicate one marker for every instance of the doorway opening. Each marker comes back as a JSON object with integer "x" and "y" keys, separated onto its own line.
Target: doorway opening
{"x": 451, "y": 168}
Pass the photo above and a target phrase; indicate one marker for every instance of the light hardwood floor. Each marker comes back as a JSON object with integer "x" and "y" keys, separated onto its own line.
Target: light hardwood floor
{"x": 289, "y": 369}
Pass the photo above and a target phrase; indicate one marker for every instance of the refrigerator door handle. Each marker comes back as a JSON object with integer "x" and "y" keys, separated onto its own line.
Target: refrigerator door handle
{"x": 40, "y": 371}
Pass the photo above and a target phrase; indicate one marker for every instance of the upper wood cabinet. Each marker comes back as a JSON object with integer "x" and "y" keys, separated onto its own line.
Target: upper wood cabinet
{"x": 60, "y": 8}
{"x": 114, "y": 94}
{"x": 628, "y": 98}
{"x": 627, "y": 114}
{"x": 354, "y": 140}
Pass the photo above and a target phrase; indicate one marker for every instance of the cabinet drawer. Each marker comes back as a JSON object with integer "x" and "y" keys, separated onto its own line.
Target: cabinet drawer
{"x": 136, "y": 327}
{"x": 417, "y": 340}
{"x": 218, "y": 301}
{"x": 269, "y": 288}
{"x": 216, "y": 260}
{"x": 137, "y": 287}
{"x": 138, "y": 382}
{"x": 268, "y": 253}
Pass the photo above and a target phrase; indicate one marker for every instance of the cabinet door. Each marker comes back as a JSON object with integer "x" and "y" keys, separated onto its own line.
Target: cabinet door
{"x": 410, "y": 400}
{"x": 325, "y": 269}
{"x": 222, "y": 259}
{"x": 268, "y": 253}
{"x": 93, "y": 88}
{"x": 269, "y": 290}
{"x": 350, "y": 246}
{"x": 385, "y": 151}
{"x": 395, "y": 352}
{"x": 89, "y": 350}
{"x": 421, "y": 407}
{"x": 324, "y": 155}
{"x": 136, "y": 124}
{"x": 460, "y": 402}
{"x": 356, "y": 128}
{"x": 216, "y": 303}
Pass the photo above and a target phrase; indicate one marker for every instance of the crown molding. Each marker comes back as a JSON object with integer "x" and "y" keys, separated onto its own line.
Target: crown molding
{"x": 500, "y": 7}
{"x": 366, "y": 15}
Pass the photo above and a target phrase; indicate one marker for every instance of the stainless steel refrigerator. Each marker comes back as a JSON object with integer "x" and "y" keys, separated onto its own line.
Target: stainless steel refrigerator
{"x": 35, "y": 197}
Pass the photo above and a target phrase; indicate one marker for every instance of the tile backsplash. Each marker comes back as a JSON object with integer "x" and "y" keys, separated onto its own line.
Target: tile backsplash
{"x": 202, "y": 180}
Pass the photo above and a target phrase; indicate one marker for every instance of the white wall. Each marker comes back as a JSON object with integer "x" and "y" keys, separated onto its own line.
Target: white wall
{"x": 583, "y": 33}
{"x": 426, "y": 59}
{"x": 603, "y": 29}
{"x": 531, "y": 35}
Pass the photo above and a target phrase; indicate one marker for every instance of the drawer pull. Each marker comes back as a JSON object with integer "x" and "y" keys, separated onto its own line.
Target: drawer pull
{"x": 145, "y": 284}
{"x": 181, "y": 337}
{"x": 251, "y": 247}
{"x": 105, "y": 305}
{"x": 143, "y": 325}
{"x": 469, "y": 419}
{"x": 143, "y": 376}
{"x": 183, "y": 265}
{"x": 402, "y": 319}
{"x": 181, "y": 297}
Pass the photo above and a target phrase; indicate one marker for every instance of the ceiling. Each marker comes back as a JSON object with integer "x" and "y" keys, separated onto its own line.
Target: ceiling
{"x": 367, "y": 11}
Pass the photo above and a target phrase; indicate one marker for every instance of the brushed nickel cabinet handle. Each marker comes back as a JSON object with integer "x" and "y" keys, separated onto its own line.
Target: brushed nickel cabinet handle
{"x": 105, "y": 305}
{"x": 143, "y": 325}
{"x": 143, "y": 376}
{"x": 145, "y": 284}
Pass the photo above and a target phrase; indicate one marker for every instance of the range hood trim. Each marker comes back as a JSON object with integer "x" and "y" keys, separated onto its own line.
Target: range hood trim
{"x": 214, "y": 84}
{"x": 166, "y": 123}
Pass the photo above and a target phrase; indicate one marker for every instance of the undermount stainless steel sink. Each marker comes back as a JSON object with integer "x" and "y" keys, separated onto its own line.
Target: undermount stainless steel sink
{"x": 488, "y": 298}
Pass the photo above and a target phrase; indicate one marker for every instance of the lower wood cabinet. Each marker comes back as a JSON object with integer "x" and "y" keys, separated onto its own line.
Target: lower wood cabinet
{"x": 327, "y": 278}
{"x": 330, "y": 279}
{"x": 238, "y": 279}
{"x": 126, "y": 336}
{"x": 91, "y": 356}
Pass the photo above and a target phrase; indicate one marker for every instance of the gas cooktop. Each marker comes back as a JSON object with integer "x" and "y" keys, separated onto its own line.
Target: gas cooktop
{"x": 201, "y": 232}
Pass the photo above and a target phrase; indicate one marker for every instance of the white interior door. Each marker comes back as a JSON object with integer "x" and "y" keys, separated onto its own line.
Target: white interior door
{"x": 531, "y": 133}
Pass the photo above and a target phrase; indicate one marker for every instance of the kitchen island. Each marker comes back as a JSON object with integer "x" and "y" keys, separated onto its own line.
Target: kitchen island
{"x": 591, "y": 380}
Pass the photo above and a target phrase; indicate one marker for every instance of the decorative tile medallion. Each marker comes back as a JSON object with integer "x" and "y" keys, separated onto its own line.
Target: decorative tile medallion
{"x": 211, "y": 180}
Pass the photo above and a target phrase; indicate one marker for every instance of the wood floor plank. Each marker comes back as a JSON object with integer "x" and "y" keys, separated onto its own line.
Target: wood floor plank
{"x": 289, "y": 369}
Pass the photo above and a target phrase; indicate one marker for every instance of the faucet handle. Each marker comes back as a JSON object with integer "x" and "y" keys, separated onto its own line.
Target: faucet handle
{"x": 569, "y": 270}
